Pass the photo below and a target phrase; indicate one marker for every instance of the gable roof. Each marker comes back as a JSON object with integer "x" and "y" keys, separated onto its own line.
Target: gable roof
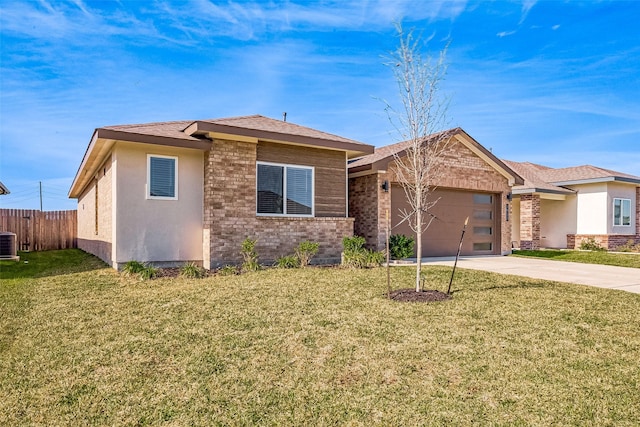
{"x": 198, "y": 135}
{"x": 543, "y": 179}
{"x": 380, "y": 159}
{"x": 3, "y": 189}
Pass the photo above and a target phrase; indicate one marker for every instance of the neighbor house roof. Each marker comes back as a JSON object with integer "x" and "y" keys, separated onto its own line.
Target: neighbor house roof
{"x": 380, "y": 159}
{"x": 3, "y": 189}
{"x": 198, "y": 135}
{"x": 543, "y": 179}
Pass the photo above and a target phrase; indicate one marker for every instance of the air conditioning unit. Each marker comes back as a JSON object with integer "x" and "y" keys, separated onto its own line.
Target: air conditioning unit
{"x": 8, "y": 247}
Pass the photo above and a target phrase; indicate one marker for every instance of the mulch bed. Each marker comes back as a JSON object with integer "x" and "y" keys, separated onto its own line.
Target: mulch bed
{"x": 410, "y": 295}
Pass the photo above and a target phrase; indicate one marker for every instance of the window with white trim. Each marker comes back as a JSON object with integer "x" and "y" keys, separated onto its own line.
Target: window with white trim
{"x": 284, "y": 190}
{"x": 162, "y": 177}
{"x": 621, "y": 211}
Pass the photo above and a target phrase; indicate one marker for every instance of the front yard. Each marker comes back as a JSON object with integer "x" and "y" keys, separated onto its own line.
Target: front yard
{"x": 81, "y": 345}
{"x": 586, "y": 257}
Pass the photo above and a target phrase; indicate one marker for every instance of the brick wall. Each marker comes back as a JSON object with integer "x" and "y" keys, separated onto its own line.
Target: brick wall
{"x": 607, "y": 241}
{"x": 230, "y": 212}
{"x": 529, "y": 222}
{"x": 367, "y": 205}
{"x": 638, "y": 213}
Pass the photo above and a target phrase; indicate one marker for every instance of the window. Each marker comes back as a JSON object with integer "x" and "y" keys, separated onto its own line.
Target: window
{"x": 483, "y": 230}
{"x": 482, "y": 246}
{"x": 482, "y": 199}
{"x": 162, "y": 177}
{"x": 285, "y": 190}
{"x": 621, "y": 212}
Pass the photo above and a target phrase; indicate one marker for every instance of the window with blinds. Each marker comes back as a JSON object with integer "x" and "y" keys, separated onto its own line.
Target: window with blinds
{"x": 284, "y": 190}
{"x": 162, "y": 177}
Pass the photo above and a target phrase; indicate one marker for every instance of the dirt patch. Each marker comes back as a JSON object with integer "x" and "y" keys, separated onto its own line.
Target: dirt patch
{"x": 410, "y": 295}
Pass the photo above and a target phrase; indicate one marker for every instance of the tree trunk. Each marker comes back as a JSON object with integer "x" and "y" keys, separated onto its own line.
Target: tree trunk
{"x": 418, "y": 249}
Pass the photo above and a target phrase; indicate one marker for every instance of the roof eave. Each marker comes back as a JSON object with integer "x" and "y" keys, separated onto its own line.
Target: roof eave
{"x": 353, "y": 149}
{"x": 598, "y": 181}
{"x": 518, "y": 191}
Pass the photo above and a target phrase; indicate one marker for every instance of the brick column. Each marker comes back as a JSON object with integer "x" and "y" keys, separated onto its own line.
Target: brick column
{"x": 637, "y": 213}
{"x": 530, "y": 221}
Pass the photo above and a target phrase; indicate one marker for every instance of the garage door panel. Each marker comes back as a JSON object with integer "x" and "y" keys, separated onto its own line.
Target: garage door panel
{"x": 453, "y": 207}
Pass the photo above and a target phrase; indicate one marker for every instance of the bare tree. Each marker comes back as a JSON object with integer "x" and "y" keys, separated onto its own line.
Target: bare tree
{"x": 420, "y": 122}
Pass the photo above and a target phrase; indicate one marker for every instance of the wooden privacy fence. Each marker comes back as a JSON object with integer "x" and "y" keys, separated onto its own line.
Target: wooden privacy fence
{"x": 41, "y": 231}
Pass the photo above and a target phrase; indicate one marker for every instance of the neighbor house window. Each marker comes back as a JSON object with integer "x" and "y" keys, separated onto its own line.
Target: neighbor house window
{"x": 621, "y": 212}
{"x": 285, "y": 190}
{"x": 162, "y": 177}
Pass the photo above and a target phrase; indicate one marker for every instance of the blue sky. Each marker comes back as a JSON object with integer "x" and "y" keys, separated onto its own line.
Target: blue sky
{"x": 551, "y": 82}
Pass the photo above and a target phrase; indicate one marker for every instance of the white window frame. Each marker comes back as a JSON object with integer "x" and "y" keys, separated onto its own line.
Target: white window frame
{"x": 284, "y": 189}
{"x": 175, "y": 183}
{"x": 622, "y": 202}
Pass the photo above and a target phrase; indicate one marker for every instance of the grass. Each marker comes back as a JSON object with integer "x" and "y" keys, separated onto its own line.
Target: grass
{"x": 310, "y": 347}
{"x": 586, "y": 257}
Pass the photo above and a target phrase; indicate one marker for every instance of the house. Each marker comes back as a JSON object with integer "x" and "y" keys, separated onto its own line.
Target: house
{"x": 3, "y": 189}
{"x": 560, "y": 208}
{"x": 173, "y": 192}
{"x": 473, "y": 183}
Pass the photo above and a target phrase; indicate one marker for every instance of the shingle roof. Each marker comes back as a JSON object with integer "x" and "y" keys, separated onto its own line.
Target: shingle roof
{"x": 582, "y": 173}
{"x": 543, "y": 179}
{"x": 3, "y": 189}
{"x": 389, "y": 151}
{"x": 163, "y": 129}
{"x": 532, "y": 180}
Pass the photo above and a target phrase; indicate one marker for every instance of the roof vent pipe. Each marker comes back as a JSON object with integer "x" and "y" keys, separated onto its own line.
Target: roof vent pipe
{"x": 284, "y": 116}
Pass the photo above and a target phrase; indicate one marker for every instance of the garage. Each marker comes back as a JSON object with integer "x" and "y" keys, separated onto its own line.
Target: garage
{"x": 452, "y": 208}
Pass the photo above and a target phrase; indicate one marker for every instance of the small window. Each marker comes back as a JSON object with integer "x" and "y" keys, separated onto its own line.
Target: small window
{"x": 284, "y": 190}
{"x": 482, "y": 199}
{"x": 483, "y": 230}
{"x": 621, "y": 212}
{"x": 162, "y": 177}
{"x": 482, "y": 246}
{"x": 482, "y": 214}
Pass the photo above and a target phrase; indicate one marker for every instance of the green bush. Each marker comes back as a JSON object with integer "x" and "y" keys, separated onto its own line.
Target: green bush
{"x": 591, "y": 244}
{"x": 288, "y": 261}
{"x": 132, "y": 267}
{"x": 305, "y": 251}
{"x": 192, "y": 271}
{"x": 148, "y": 272}
{"x": 249, "y": 255}
{"x": 400, "y": 246}
{"x": 357, "y": 256}
{"x": 228, "y": 270}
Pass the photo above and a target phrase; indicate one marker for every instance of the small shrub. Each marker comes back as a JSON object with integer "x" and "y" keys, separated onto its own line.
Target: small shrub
{"x": 228, "y": 270}
{"x": 400, "y": 246}
{"x": 354, "y": 243}
{"x": 148, "y": 272}
{"x": 249, "y": 255}
{"x": 192, "y": 270}
{"x": 357, "y": 256}
{"x": 288, "y": 261}
{"x": 305, "y": 251}
{"x": 630, "y": 246}
{"x": 132, "y": 267}
{"x": 591, "y": 244}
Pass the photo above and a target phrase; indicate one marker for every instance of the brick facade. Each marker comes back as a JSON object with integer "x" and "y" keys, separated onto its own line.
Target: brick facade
{"x": 530, "y": 222}
{"x": 460, "y": 169}
{"x": 607, "y": 241}
{"x": 230, "y": 209}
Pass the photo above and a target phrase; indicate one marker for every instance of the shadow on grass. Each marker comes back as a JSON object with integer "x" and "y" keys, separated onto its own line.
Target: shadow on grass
{"x": 49, "y": 263}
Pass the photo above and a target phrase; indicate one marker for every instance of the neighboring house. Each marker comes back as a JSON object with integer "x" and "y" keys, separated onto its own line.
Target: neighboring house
{"x": 474, "y": 183}
{"x": 3, "y": 189}
{"x": 173, "y": 192}
{"x": 559, "y": 208}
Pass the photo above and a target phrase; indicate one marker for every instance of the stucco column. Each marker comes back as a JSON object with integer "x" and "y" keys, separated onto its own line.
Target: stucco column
{"x": 530, "y": 221}
{"x": 384, "y": 205}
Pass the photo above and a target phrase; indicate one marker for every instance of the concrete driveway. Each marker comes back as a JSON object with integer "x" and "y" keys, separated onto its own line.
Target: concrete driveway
{"x": 603, "y": 276}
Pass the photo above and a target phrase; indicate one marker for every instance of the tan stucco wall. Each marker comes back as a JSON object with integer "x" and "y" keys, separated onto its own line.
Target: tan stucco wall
{"x": 591, "y": 208}
{"x": 515, "y": 221}
{"x": 160, "y": 231}
{"x": 558, "y": 218}
{"x": 97, "y": 242}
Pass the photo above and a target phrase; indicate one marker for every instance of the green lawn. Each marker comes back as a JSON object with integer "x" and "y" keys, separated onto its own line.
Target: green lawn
{"x": 80, "y": 345}
{"x": 586, "y": 257}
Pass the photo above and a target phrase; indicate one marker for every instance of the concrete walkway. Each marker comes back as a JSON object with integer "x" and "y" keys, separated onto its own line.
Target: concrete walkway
{"x": 603, "y": 276}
